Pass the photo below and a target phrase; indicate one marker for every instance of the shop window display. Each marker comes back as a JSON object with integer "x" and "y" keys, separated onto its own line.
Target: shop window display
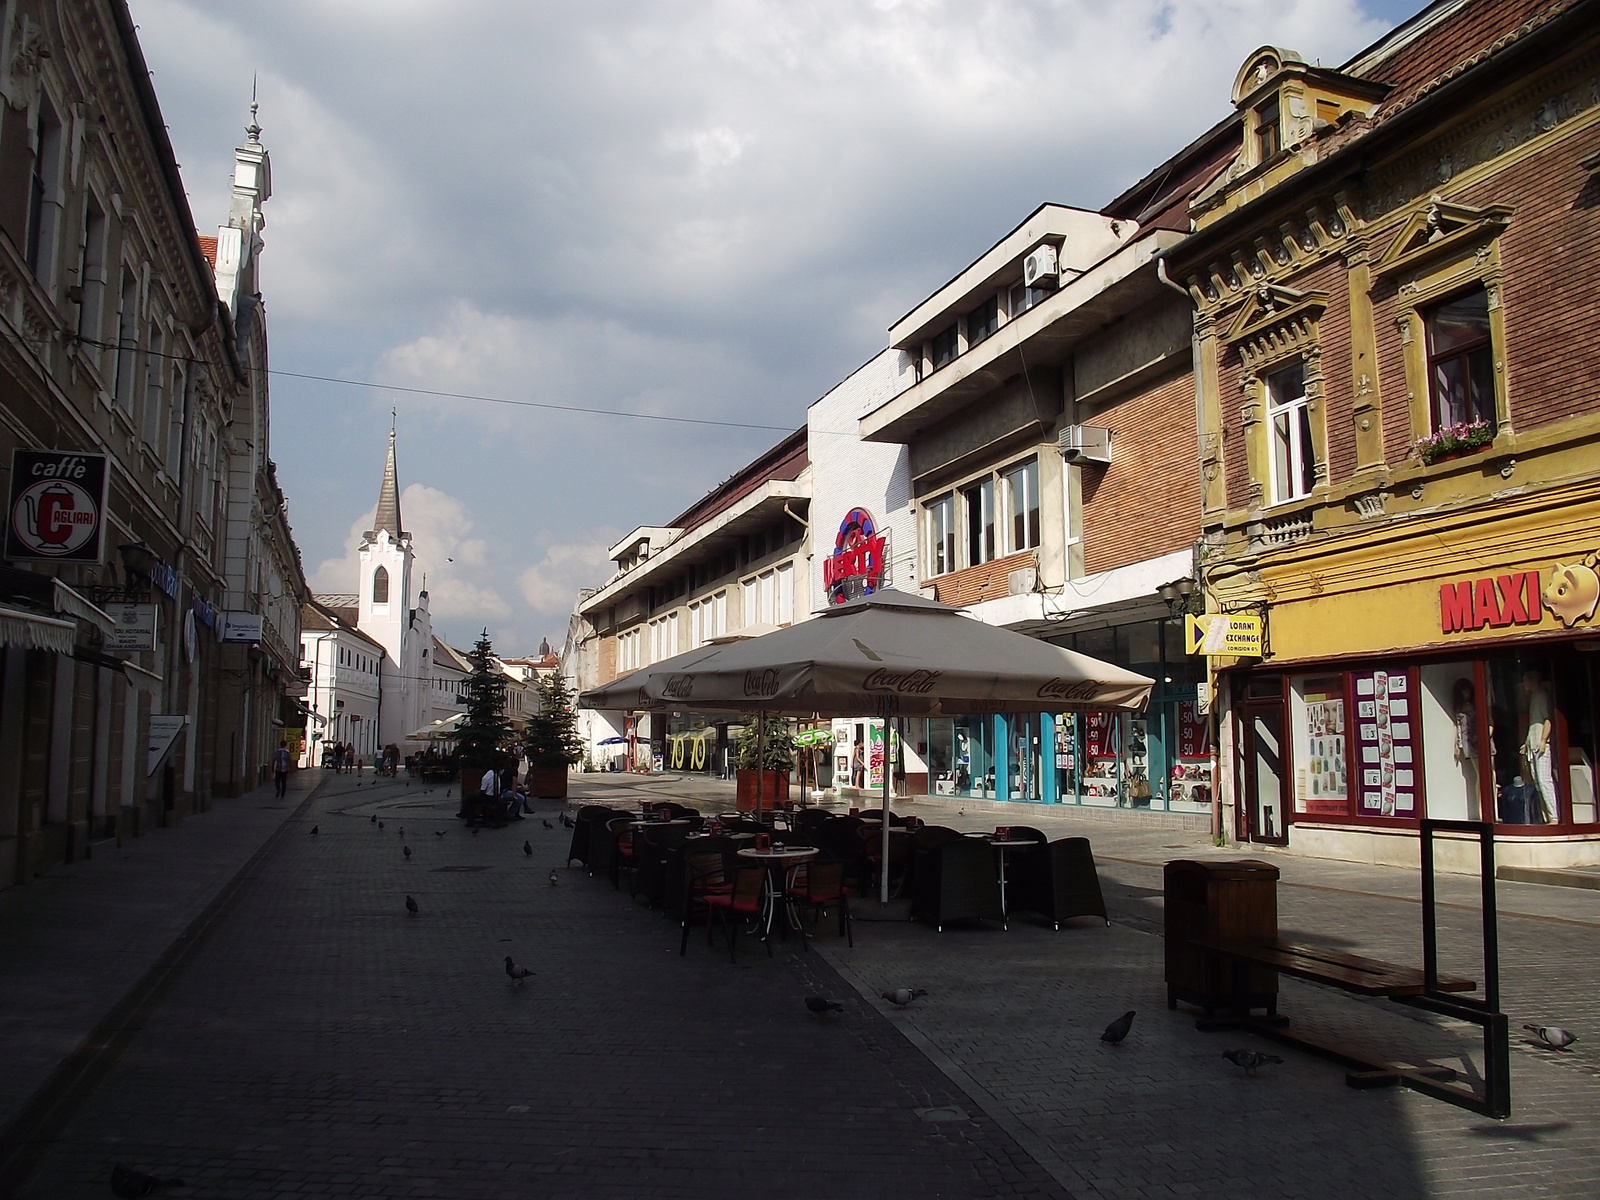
{"x": 1451, "y": 739}
{"x": 1385, "y": 743}
{"x": 1191, "y": 772}
{"x": 1101, "y": 751}
{"x": 1321, "y": 784}
{"x": 1522, "y": 726}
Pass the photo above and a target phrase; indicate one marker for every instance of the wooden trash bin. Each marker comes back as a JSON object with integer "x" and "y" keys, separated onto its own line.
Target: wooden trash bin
{"x": 1214, "y": 902}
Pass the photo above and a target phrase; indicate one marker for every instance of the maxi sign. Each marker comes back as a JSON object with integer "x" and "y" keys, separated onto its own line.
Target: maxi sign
{"x": 57, "y": 506}
{"x": 855, "y": 568}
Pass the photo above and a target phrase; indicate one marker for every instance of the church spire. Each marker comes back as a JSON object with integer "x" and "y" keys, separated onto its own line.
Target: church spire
{"x": 389, "y": 497}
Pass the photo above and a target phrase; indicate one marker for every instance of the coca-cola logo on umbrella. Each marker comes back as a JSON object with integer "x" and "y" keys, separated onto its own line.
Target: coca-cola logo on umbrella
{"x": 57, "y": 506}
{"x": 906, "y": 683}
{"x": 678, "y": 687}
{"x": 1068, "y": 689}
{"x": 761, "y": 685}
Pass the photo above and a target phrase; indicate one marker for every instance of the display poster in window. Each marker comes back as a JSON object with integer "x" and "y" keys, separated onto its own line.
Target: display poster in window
{"x": 1323, "y": 786}
{"x": 1194, "y": 731}
{"x": 1100, "y": 734}
{"x": 1385, "y": 727}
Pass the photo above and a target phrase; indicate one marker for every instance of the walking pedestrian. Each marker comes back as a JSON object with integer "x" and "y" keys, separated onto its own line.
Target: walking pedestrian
{"x": 280, "y": 769}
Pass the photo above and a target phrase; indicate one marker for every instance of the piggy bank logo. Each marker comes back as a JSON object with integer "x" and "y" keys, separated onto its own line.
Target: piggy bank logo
{"x": 1573, "y": 592}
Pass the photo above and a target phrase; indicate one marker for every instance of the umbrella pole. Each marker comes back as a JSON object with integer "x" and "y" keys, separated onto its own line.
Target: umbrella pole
{"x": 761, "y": 758}
{"x": 883, "y": 874}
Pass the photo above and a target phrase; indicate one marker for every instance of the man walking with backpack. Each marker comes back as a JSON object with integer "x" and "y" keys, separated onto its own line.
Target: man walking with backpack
{"x": 281, "y": 760}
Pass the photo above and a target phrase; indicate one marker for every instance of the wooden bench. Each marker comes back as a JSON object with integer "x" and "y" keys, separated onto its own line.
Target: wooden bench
{"x": 1350, "y": 972}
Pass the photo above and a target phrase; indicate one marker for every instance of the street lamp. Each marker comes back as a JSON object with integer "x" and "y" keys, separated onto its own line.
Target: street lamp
{"x": 1176, "y": 595}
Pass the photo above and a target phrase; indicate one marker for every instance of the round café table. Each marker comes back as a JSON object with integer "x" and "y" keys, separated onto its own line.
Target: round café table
{"x": 780, "y": 865}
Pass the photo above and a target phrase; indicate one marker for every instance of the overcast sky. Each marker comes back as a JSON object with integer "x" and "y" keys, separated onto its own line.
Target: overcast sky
{"x": 708, "y": 210}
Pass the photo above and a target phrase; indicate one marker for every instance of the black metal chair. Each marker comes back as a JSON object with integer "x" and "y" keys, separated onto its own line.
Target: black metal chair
{"x": 742, "y": 901}
{"x": 1057, "y": 880}
{"x": 818, "y": 884}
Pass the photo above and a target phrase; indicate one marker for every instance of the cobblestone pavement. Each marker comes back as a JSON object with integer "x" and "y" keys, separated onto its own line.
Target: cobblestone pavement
{"x": 324, "y": 1042}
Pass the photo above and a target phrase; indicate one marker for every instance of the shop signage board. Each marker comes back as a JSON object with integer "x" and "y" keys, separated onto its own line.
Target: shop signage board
{"x": 164, "y": 731}
{"x": 856, "y": 566}
{"x": 1521, "y": 597}
{"x": 1100, "y": 734}
{"x": 136, "y": 627}
{"x": 57, "y": 507}
{"x": 1385, "y": 724}
{"x": 1194, "y": 731}
{"x": 241, "y": 627}
{"x": 1223, "y": 634}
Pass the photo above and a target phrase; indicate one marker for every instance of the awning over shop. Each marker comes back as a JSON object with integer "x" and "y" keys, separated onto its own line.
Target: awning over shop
{"x": 30, "y": 631}
{"x": 70, "y": 603}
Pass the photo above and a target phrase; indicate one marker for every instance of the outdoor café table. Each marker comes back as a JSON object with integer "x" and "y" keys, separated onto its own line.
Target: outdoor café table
{"x": 657, "y": 824}
{"x": 780, "y": 867}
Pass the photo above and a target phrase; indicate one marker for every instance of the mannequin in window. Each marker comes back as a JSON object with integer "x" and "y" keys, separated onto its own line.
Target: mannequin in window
{"x": 1464, "y": 715}
{"x": 1536, "y": 744}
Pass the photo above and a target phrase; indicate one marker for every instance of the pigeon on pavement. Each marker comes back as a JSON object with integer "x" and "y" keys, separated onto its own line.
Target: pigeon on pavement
{"x": 820, "y": 1006}
{"x": 316, "y": 828}
{"x": 552, "y": 877}
{"x": 406, "y": 850}
{"x": 374, "y": 819}
{"x": 402, "y": 831}
{"x": 517, "y": 973}
{"x": 130, "y": 1184}
{"x": 547, "y": 824}
{"x": 380, "y": 824}
{"x": 411, "y": 906}
{"x": 1249, "y": 1059}
{"x": 903, "y": 996}
{"x": 1118, "y": 1029}
{"x": 566, "y": 821}
{"x": 438, "y": 833}
{"x": 527, "y": 848}
{"x": 1552, "y": 1035}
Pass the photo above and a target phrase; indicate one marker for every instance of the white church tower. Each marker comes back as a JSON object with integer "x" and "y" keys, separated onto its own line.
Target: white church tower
{"x": 385, "y": 613}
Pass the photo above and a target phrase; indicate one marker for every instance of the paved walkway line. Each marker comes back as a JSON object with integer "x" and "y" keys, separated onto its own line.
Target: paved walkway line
{"x": 1038, "y": 1149}
{"x": 29, "y": 1135}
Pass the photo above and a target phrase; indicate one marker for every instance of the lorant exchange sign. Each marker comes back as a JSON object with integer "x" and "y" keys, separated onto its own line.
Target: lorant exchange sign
{"x": 58, "y": 506}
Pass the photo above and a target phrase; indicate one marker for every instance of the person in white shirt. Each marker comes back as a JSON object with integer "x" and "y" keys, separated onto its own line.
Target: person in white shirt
{"x": 489, "y": 784}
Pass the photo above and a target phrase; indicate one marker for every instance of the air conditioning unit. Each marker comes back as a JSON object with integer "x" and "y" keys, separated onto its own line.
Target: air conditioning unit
{"x": 1021, "y": 581}
{"x": 1085, "y": 444}
{"x": 1040, "y": 265}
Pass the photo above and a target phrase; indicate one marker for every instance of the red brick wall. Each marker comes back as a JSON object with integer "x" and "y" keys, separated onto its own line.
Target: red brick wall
{"x": 1147, "y": 502}
{"x": 987, "y": 581}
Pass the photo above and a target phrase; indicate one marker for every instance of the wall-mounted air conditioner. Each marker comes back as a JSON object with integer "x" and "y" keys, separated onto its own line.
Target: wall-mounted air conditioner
{"x": 1040, "y": 266}
{"x": 1085, "y": 443}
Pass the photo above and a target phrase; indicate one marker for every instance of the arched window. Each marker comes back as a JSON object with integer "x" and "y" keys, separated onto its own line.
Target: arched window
{"x": 380, "y": 586}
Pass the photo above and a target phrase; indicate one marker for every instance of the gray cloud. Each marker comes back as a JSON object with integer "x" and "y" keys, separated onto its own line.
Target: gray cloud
{"x": 709, "y": 209}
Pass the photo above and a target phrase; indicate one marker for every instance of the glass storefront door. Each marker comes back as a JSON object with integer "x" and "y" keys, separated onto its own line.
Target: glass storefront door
{"x": 1264, "y": 772}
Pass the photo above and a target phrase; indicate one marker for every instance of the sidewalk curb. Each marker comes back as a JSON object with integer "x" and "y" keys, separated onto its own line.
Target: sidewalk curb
{"x": 28, "y": 1135}
{"x": 1038, "y": 1149}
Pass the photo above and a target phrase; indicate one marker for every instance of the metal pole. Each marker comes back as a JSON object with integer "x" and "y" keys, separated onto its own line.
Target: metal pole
{"x": 883, "y": 874}
{"x": 761, "y": 758}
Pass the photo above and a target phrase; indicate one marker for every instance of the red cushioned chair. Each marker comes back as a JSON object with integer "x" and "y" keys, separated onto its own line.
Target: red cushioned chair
{"x": 743, "y": 901}
{"x": 824, "y": 885}
{"x": 705, "y": 876}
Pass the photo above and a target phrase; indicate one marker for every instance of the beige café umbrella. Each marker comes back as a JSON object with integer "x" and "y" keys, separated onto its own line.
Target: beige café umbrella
{"x": 889, "y": 654}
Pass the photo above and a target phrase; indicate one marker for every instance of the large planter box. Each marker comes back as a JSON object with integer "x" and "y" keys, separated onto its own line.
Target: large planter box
{"x": 548, "y": 783}
{"x": 774, "y": 789}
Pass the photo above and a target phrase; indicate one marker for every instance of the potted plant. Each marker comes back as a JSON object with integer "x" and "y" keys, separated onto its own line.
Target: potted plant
{"x": 551, "y": 743}
{"x": 484, "y": 737}
{"x": 1453, "y": 441}
{"x": 765, "y": 745}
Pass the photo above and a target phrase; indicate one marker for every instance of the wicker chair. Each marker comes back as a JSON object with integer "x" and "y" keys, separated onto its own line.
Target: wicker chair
{"x": 706, "y": 874}
{"x": 957, "y": 882}
{"x": 588, "y": 819}
{"x": 823, "y": 884}
{"x": 1057, "y": 880}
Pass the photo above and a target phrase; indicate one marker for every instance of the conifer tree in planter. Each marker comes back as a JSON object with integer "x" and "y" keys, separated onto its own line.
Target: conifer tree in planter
{"x": 551, "y": 742}
{"x": 484, "y": 737}
{"x": 765, "y": 738}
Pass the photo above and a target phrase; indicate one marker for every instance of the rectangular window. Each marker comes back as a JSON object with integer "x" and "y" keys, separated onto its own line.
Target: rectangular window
{"x": 670, "y": 636}
{"x": 127, "y": 350}
{"x": 785, "y": 600}
{"x": 946, "y": 345}
{"x": 750, "y": 612}
{"x": 43, "y": 201}
{"x": 719, "y": 623}
{"x": 1269, "y": 139}
{"x": 1460, "y": 361}
{"x": 978, "y": 501}
{"x": 154, "y": 393}
{"x": 940, "y": 525}
{"x": 768, "y": 595}
{"x": 1022, "y": 298}
{"x": 983, "y": 321}
{"x": 174, "y": 453}
{"x": 1289, "y": 416}
{"x": 695, "y": 628}
{"x": 92, "y": 271}
{"x": 1022, "y": 499}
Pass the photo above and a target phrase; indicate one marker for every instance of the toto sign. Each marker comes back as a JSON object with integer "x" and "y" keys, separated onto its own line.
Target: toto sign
{"x": 57, "y": 508}
{"x": 855, "y": 568}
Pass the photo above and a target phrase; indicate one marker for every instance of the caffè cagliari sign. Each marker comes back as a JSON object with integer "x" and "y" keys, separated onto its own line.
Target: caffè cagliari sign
{"x": 57, "y": 506}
